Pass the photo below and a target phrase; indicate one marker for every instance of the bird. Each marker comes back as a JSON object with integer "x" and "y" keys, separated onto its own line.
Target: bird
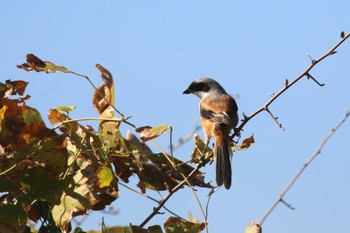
{"x": 219, "y": 115}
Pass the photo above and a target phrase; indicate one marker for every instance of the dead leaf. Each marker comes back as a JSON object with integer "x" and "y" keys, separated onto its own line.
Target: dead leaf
{"x": 104, "y": 95}
{"x": 148, "y": 133}
{"x": 16, "y": 87}
{"x": 35, "y": 63}
{"x": 56, "y": 117}
{"x": 106, "y": 76}
{"x": 248, "y": 142}
{"x": 177, "y": 225}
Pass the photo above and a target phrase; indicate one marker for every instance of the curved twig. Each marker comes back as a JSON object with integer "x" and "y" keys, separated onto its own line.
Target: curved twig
{"x": 291, "y": 183}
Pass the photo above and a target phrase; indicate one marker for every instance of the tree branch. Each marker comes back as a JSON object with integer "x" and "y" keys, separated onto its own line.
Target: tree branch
{"x": 305, "y": 73}
{"x": 161, "y": 204}
{"x": 291, "y": 183}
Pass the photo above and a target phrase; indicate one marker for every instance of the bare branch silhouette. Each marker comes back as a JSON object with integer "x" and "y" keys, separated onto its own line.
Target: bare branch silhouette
{"x": 291, "y": 183}
{"x": 287, "y": 85}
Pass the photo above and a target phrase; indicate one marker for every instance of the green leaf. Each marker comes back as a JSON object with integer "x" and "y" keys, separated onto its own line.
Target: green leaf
{"x": 31, "y": 116}
{"x": 40, "y": 184}
{"x": 104, "y": 176}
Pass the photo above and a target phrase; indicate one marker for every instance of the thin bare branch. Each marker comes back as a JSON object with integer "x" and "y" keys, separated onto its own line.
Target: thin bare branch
{"x": 167, "y": 197}
{"x": 305, "y": 73}
{"x": 291, "y": 183}
{"x": 274, "y": 118}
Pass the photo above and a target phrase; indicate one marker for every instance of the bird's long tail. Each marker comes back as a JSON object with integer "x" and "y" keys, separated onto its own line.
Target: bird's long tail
{"x": 223, "y": 152}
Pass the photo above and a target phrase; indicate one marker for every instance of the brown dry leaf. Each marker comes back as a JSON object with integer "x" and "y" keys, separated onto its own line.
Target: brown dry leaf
{"x": 151, "y": 229}
{"x": 35, "y": 63}
{"x": 148, "y": 133}
{"x": 56, "y": 117}
{"x": 248, "y": 142}
{"x": 106, "y": 76}
{"x": 104, "y": 95}
{"x": 16, "y": 87}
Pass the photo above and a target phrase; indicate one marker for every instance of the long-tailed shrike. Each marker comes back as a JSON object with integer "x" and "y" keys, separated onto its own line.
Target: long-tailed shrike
{"x": 219, "y": 116}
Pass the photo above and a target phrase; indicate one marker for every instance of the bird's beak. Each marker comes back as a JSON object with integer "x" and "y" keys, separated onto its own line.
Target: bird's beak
{"x": 187, "y": 91}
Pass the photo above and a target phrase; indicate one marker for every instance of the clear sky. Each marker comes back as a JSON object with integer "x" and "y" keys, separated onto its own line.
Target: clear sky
{"x": 155, "y": 49}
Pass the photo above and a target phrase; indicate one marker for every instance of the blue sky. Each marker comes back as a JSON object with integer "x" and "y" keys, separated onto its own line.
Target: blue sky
{"x": 155, "y": 49}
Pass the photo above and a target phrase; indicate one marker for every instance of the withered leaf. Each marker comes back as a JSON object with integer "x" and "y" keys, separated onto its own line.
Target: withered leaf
{"x": 56, "y": 117}
{"x": 104, "y": 95}
{"x": 106, "y": 76}
{"x": 35, "y": 63}
{"x": 151, "y": 229}
{"x": 16, "y": 87}
{"x": 248, "y": 142}
{"x": 148, "y": 133}
{"x": 177, "y": 225}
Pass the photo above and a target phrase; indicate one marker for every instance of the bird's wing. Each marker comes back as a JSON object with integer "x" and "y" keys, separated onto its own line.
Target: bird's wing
{"x": 218, "y": 118}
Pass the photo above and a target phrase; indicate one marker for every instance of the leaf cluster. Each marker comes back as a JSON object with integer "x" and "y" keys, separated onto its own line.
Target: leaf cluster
{"x": 54, "y": 174}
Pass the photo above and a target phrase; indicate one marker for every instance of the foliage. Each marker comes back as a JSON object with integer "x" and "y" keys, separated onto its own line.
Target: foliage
{"x": 55, "y": 174}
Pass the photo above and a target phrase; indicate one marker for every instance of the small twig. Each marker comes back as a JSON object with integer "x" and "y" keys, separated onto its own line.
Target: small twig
{"x": 274, "y": 118}
{"x": 318, "y": 151}
{"x": 315, "y": 80}
{"x": 171, "y": 142}
{"x": 207, "y": 205}
{"x": 289, "y": 84}
{"x": 93, "y": 85}
{"x": 151, "y": 198}
{"x": 186, "y": 138}
{"x": 161, "y": 204}
{"x": 288, "y": 205}
{"x": 199, "y": 203}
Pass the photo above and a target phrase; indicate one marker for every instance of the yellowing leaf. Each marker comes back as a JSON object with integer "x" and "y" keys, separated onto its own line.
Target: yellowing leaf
{"x": 253, "y": 228}
{"x": 35, "y": 63}
{"x": 104, "y": 176}
{"x": 149, "y": 133}
{"x": 76, "y": 197}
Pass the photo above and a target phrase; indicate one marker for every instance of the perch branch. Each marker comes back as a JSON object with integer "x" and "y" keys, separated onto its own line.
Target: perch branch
{"x": 317, "y": 152}
{"x": 305, "y": 73}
